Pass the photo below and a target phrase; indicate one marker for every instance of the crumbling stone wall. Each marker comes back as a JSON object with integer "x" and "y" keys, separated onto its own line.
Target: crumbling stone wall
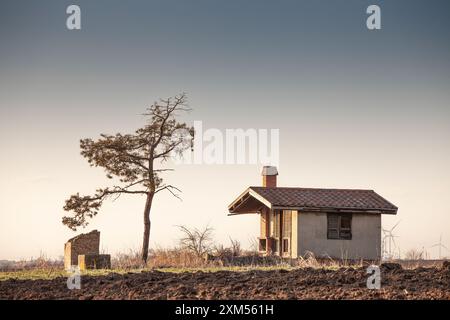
{"x": 94, "y": 261}
{"x": 88, "y": 243}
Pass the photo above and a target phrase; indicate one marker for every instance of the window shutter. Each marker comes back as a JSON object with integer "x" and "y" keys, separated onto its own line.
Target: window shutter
{"x": 333, "y": 226}
{"x": 345, "y": 231}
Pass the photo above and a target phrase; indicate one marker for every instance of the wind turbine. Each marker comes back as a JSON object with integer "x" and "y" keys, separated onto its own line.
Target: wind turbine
{"x": 388, "y": 235}
{"x": 440, "y": 245}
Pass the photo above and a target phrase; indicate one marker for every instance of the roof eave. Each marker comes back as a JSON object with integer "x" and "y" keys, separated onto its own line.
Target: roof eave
{"x": 239, "y": 200}
{"x": 328, "y": 209}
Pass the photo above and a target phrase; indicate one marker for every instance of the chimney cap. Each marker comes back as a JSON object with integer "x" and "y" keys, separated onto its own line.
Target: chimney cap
{"x": 269, "y": 171}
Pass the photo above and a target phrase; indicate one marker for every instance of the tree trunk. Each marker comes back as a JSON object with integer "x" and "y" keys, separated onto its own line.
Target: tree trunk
{"x": 148, "y": 206}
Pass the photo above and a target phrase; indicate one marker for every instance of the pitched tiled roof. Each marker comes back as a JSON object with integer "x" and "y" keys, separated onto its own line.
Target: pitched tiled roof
{"x": 351, "y": 199}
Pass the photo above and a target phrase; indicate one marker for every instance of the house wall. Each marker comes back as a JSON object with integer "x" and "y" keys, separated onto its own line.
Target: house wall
{"x": 365, "y": 242}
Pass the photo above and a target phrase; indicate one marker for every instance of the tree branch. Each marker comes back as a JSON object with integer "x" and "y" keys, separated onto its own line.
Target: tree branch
{"x": 169, "y": 188}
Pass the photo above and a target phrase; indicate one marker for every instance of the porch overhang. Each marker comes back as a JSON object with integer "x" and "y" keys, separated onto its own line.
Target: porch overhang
{"x": 247, "y": 203}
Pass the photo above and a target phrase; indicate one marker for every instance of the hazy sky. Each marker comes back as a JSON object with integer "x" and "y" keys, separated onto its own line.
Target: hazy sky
{"x": 355, "y": 109}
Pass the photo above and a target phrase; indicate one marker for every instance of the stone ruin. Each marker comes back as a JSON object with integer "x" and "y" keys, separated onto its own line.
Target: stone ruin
{"x": 83, "y": 251}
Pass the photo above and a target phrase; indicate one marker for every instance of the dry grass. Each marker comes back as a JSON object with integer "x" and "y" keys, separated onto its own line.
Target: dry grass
{"x": 176, "y": 257}
{"x": 161, "y": 258}
{"x": 168, "y": 260}
{"x": 40, "y": 263}
{"x": 158, "y": 258}
{"x": 183, "y": 260}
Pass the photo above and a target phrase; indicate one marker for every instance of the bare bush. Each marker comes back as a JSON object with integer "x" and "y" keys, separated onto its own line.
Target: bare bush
{"x": 254, "y": 246}
{"x": 415, "y": 254}
{"x": 196, "y": 241}
{"x": 220, "y": 252}
{"x": 235, "y": 247}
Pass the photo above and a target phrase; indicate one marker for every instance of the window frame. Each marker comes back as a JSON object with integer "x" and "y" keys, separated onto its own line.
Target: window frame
{"x": 342, "y": 233}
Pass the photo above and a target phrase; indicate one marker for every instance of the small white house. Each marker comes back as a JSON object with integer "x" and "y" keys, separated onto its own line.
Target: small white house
{"x": 336, "y": 223}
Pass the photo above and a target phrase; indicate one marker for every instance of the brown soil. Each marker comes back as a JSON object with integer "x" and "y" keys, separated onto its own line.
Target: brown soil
{"x": 306, "y": 283}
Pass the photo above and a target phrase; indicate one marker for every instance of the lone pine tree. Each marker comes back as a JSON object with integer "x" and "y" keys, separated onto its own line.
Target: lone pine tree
{"x": 136, "y": 160}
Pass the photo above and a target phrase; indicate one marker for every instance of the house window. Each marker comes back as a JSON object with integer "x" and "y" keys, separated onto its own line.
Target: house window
{"x": 339, "y": 226}
{"x": 262, "y": 244}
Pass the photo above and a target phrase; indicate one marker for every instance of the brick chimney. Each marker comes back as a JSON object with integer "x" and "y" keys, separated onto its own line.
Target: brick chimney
{"x": 269, "y": 175}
